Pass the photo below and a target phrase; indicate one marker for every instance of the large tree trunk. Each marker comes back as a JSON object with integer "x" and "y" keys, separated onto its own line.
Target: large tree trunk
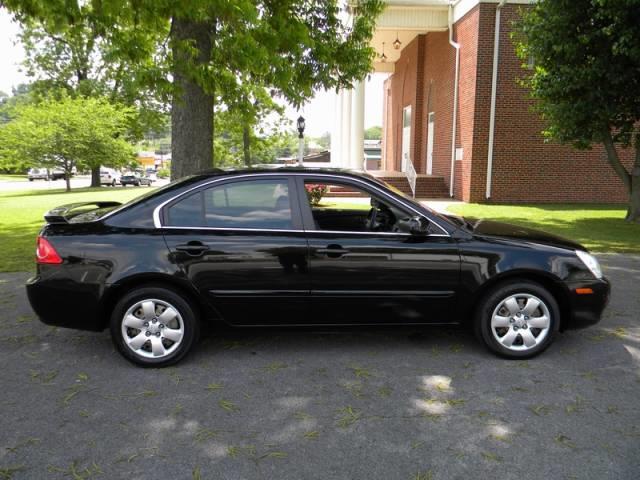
{"x": 631, "y": 180}
{"x": 191, "y": 107}
{"x": 633, "y": 212}
{"x": 95, "y": 176}
{"x": 246, "y": 145}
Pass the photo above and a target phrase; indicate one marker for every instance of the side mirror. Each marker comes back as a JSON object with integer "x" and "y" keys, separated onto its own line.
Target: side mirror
{"x": 418, "y": 225}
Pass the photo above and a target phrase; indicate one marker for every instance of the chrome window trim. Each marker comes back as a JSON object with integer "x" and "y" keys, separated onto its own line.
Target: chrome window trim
{"x": 334, "y": 232}
{"x": 158, "y": 224}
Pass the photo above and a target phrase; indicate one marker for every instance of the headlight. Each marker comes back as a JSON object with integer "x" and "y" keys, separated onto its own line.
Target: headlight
{"x": 590, "y": 262}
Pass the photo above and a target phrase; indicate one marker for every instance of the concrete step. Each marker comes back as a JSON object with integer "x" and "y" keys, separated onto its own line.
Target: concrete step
{"x": 427, "y": 186}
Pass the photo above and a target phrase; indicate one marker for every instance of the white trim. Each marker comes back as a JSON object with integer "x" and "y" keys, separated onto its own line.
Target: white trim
{"x": 462, "y": 7}
{"x": 156, "y": 211}
{"x": 494, "y": 92}
{"x": 454, "y": 125}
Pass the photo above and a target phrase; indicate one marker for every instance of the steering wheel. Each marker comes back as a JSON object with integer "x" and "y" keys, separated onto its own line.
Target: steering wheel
{"x": 380, "y": 217}
{"x": 371, "y": 219}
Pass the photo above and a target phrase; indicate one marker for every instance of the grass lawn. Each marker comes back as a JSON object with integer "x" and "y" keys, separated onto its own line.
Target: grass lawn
{"x": 600, "y": 228}
{"x": 21, "y": 217}
{"x": 12, "y": 178}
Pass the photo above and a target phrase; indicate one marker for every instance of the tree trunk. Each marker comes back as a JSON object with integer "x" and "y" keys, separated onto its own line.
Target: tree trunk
{"x": 67, "y": 179}
{"x": 95, "y": 176}
{"x": 246, "y": 145}
{"x": 631, "y": 180}
{"x": 633, "y": 212}
{"x": 191, "y": 107}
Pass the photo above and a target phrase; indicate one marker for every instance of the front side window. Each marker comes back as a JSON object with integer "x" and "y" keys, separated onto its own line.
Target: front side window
{"x": 346, "y": 208}
{"x": 260, "y": 204}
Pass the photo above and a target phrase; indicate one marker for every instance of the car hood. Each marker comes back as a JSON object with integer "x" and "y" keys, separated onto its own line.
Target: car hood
{"x": 516, "y": 232}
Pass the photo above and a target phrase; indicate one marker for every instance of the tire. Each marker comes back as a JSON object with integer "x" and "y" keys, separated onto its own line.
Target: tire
{"x": 113, "y": 184}
{"x": 143, "y": 338}
{"x": 517, "y": 320}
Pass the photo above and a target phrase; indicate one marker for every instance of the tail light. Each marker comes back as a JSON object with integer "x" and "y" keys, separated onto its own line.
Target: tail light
{"x": 45, "y": 253}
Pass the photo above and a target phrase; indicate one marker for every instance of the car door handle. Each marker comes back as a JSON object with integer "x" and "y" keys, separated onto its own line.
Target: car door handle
{"x": 192, "y": 248}
{"x": 332, "y": 251}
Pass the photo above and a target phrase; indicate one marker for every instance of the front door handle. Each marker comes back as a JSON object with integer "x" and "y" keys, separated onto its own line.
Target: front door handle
{"x": 332, "y": 251}
{"x": 193, "y": 248}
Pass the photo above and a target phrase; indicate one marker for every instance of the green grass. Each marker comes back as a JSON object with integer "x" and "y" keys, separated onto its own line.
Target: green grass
{"x": 21, "y": 217}
{"x": 12, "y": 178}
{"x": 600, "y": 228}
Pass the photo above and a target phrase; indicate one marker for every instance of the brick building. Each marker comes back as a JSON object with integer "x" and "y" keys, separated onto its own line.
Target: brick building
{"x": 499, "y": 154}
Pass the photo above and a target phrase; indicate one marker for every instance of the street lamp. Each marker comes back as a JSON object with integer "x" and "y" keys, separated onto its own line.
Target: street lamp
{"x": 300, "y": 139}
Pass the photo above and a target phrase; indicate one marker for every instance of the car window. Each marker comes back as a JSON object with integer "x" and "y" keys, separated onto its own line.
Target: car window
{"x": 346, "y": 208}
{"x": 262, "y": 204}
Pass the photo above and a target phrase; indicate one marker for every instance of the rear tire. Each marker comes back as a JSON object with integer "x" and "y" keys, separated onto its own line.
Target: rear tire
{"x": 517, "y": 320}
{"x": 154, "y": 327}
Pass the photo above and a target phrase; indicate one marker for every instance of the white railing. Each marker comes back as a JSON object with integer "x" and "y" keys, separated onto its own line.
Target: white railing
{"x": 412, "y": 176}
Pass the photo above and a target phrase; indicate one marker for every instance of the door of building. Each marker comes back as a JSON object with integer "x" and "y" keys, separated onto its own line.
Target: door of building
{"x": 406, "y": 137}
{"x": 430, "y": 129}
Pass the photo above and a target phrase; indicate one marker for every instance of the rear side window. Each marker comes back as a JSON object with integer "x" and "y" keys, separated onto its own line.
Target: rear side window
{"x": 260, "y": 204}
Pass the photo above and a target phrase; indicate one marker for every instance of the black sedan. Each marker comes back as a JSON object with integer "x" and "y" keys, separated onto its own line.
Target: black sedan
{"x": 135, "y": 180}
{"x": 301, "y": 247}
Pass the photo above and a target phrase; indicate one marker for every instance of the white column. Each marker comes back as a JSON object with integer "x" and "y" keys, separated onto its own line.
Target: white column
{"x": 356, "y": 157}
{"x": 346, "y": 129}
{"x": 336, "y": 131}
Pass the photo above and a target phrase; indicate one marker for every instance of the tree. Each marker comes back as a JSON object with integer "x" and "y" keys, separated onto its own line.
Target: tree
{"x": 373, "y": 133}
{"x": 219, "y": 50}
{"x": 80, "y": 58}
{"x": 69, "y": 133}
{"x": 586, "y": 77}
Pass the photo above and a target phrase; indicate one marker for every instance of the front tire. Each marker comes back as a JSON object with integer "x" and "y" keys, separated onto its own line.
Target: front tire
{"x": 154, "y": 327}
{"x": 517, "y": 320}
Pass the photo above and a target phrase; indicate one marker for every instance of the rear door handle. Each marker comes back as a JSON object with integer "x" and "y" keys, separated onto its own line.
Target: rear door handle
{"x": 192, "y": 248}
{"x": 332, "y": 251}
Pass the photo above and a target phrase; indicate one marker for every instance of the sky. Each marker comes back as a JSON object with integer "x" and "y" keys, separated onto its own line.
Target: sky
{"x": 318, "y": 113}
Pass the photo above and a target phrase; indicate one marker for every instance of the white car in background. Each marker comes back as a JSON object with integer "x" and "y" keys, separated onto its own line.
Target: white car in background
{"x": 109, "y": 176}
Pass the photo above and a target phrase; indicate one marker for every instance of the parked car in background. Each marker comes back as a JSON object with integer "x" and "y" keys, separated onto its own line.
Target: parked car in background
{"x": 254, "y": 248}
{"x": 109, "y": 177}
{"x": 135, "y": 179}
{"x": 151, "y": 173}
{"x": 45, "y": 174}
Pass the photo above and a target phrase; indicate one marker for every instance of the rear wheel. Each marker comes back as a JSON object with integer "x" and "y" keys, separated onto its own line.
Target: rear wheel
{"x": 518, "y": 320}
{"x": 153, "y": 327}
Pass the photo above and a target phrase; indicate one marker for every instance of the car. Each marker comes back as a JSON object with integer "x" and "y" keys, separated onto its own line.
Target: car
{"x": 37, "y": 174}
{"x": 302, "y": 247}
{"x": 135, "y": 179}
{"x": 45, "y": 174}
{"x": 109, "y": 177}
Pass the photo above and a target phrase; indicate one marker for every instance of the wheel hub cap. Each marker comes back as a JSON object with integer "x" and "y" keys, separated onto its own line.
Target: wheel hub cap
{"x": 520, "y": 322}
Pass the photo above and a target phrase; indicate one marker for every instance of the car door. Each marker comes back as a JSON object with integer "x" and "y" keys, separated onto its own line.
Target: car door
{"x": 359, "y": 276}
{"x": 241, "y": 244}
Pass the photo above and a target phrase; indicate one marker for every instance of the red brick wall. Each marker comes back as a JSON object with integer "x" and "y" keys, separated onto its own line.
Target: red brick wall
{"x": 466, "y": 34}
{"x": 525, "y": 168}
{"x": 439, "y": 67}
{"x": 403, "y": 87}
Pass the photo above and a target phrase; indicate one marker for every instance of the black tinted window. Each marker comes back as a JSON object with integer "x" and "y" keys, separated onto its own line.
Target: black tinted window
{"x": 261, "y": 204}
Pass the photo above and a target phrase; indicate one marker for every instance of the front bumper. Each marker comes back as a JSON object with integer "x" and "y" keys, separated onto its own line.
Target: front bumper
{"x": 586, "y": 308}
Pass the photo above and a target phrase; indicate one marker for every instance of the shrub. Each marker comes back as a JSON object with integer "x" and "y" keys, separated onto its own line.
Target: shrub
{"x": 315, "y": 193}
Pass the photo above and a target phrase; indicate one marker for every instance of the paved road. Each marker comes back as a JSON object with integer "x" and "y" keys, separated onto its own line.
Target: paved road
{"x": 368, "y": 404}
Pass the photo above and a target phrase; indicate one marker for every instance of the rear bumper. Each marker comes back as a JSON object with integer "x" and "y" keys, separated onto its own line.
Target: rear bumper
{"x": 586, "y": 309}
{"x": 66, "y": 303}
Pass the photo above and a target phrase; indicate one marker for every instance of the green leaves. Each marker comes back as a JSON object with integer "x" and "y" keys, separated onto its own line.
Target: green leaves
{"x": 66, "y": 133}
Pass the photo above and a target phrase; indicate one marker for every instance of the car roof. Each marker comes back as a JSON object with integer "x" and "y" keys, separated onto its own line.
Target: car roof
{"x": 285, "y": 169}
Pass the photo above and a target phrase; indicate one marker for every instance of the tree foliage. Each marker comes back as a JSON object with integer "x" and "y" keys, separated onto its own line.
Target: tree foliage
{"x": 68, "y": 133}
{"x": 586, "y": 76}
{"x": 227, "y": 52}
{"x": 373, "y": 133}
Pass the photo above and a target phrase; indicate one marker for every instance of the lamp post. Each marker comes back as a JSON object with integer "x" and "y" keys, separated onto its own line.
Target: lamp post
{"x": 300, "y": 139}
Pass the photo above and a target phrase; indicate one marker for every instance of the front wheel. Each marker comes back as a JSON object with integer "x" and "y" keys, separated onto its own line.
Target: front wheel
{"x": 153, "y": 327}
{"x": 518, "y": 320}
